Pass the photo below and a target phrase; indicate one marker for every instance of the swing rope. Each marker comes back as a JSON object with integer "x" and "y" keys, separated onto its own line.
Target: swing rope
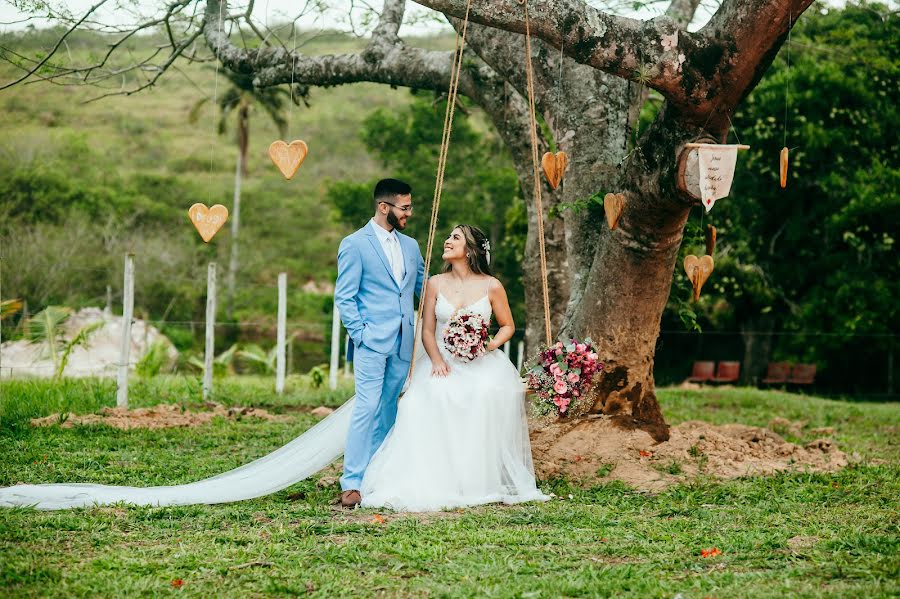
{"x": 539, "y": 207}
{"x": 442, "y": 163}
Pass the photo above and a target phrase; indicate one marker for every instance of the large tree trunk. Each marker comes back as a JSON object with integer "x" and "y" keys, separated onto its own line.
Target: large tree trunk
{"x": 631, "y": 276}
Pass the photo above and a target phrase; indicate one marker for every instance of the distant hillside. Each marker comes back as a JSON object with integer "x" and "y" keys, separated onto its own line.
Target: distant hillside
{"x": 83, "y": 182}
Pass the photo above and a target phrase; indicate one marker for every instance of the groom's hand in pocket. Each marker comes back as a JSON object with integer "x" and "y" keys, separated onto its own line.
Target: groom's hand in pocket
{"x": 440, "y": 369}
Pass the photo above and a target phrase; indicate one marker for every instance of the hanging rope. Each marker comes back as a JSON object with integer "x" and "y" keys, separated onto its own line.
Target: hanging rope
{"x": 442, "y": 163}
{"x": 215, "y": 104}
{"x": 539, "y": 207}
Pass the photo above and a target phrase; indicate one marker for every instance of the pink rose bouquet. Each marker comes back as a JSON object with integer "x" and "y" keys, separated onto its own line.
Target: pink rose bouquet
{"x": 562, "y": 377}
{"x": 466, "y": 335}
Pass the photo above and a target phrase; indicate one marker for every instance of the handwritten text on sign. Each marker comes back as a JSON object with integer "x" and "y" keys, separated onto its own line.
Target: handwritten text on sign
{"x": 208, "y": 221}
{"x": 716, "y": 172}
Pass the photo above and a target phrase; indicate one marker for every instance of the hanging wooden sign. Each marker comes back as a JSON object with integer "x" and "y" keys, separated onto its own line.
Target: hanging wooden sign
{"x": 698, "y": 271}
{"x": 706, "y": 171}
{"x": 554, "y": 166}
{"x": 784, "y": 166}
{"x": 288, "y": 156}
{"x": 710, "y": 240}
{"x": 613, "y": 204}
{"x": 208, "y": 221}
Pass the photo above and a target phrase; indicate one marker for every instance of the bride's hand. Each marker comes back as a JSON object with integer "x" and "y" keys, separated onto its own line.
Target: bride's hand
{"x": 440, "y": 369}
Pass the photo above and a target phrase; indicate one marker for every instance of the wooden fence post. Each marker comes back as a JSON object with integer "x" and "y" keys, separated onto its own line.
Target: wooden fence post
{"x": 347, "y": 362}
{"x": 210, "y": 330}
{"x": 335, "y": 347}
{"x": 520, "y": 357}
{"x": 125, "y": 348}
{"x": 282, "y": 333}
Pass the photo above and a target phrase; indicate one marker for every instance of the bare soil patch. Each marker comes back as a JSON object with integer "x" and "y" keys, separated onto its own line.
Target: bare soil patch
{"x": 595, "y": 450}
{"x": 159, "y": 416}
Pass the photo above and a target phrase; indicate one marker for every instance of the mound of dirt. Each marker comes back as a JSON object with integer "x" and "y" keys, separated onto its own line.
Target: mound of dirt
{"x": 160, "y": 416}
{"x": 99, "y": 356}
{"x": 595, "y": 450}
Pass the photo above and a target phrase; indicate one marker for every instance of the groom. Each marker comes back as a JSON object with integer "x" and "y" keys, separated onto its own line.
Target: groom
{"x": 379, "y": 270}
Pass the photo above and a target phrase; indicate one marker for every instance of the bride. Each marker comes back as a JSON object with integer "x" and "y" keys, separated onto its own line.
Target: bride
{"x": 460, "y": 438}
{"x": 461, "y": 435}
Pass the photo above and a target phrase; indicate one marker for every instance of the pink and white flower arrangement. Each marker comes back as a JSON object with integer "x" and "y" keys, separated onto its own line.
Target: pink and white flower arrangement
{"x": 466, "y": 335}
{"x": 562, "y": 377}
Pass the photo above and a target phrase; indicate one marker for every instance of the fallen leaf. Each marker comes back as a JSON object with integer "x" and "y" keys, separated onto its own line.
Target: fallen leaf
{"x": 378, "y": 519}
{"x": 177, "y": 583}
{"x": 645, "y": 454}
{"x": 710, "y": 552}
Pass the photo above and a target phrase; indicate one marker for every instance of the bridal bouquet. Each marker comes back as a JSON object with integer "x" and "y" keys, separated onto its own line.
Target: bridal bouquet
{"x": 562, "y": 377}
{"x": 466, "y": 335}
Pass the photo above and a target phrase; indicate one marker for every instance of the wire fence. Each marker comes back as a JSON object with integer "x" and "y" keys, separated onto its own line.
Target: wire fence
{"x": 859, "y": 364}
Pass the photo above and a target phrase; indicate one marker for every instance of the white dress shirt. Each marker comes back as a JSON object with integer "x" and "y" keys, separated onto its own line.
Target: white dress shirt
{"x": 390, "y": 243}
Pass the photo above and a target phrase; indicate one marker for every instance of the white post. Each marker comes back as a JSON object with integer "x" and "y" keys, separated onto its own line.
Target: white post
{"x": 282, "y": 333}
{"x": 346, "y": 355}
{"x": 210, "y": 330}
{"x": 125, "y": 349}
{"x": 520, "y": 358}
{"x": 1, "y": 334}
{"x": 506, "y": 348}
{"x": 335, "y": 347}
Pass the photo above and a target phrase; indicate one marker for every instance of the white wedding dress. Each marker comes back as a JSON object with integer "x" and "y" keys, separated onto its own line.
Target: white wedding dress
{"x": 464, "y": 436}
{"x": 459, "y": 440}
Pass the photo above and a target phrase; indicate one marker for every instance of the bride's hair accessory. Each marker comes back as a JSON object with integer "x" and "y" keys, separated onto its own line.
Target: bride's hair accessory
{"x": 486, "y": 246}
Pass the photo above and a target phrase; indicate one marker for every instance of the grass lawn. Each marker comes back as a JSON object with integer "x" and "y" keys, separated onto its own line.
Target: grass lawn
{"x": 796, "y": 534}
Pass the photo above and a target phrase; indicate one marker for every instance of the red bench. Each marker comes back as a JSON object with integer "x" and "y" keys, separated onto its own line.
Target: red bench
{"x": 802, "y": 374}
{"x": 777, "y": 373}
{"x": 702, "y": 372}
{"x": 727, "y": 372}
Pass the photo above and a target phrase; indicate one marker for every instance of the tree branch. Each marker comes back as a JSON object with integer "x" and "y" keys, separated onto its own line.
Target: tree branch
{"x": 386, "y": 59}
{"x": 741, "y": 41}
{"x": 644, "y": 51}
{"x": 59, "y": 42}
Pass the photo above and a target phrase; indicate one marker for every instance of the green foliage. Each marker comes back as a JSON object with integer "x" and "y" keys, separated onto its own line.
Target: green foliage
{"x": 818, "y": 256}
{"x": 46, "y": 327}
{"x": 223, "y": 364}
{"x": 317, "y": 376}
{"x": 152, "y": 362}
{"x": 80, "y": 338}
{"x": 259, "y": 360}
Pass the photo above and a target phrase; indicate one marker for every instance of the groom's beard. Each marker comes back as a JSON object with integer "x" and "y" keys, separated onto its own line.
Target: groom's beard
{"x": 394, "y": 221}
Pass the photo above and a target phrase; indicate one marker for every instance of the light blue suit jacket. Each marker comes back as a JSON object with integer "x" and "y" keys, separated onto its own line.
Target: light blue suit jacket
{"x": 374, "y": 309}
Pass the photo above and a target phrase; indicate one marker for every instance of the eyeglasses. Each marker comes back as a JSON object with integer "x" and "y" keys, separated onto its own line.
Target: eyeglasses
{"x": 407, "y": 209}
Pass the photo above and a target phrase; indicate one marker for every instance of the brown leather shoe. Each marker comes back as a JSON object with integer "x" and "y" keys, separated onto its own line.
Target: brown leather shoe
{"x": 351, "y": 498}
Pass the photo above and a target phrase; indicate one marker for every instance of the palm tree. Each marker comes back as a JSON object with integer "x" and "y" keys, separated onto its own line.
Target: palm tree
{"x": 238, "y": 98}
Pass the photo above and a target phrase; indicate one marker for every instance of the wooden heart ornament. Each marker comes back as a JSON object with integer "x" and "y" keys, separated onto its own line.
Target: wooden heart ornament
{"x": 698, "y": 271}
{"x": 784, "y": 166}
{"x": 710, "y": 240}
{"x": 613, "y": 204}
{"x": 554, "y": 166}
{"x": 288, "y": 156}
{"x": 208, "y": 221}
